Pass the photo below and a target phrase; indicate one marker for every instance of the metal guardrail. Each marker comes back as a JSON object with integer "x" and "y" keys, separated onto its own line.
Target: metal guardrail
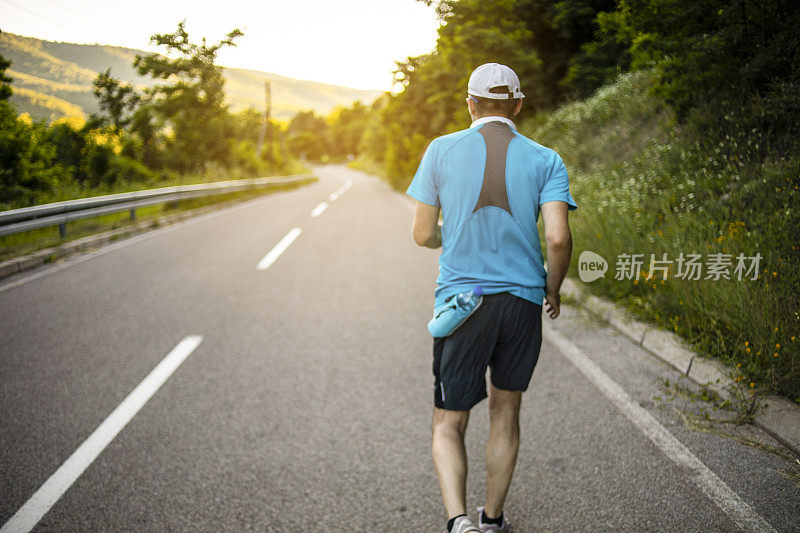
{"x": 59, "y": 213}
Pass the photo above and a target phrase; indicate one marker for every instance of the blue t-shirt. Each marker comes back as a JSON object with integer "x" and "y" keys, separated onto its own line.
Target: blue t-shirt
{"x": 489, "y": 181}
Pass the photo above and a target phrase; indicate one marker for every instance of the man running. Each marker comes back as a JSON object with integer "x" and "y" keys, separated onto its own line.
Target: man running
{"x": 490, "y": 183}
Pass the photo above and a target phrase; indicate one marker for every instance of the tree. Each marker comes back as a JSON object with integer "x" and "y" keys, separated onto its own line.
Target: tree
{"x": 603, "y": 58}
{"x": 732, "y": 66}
{"x": 576, "y": 52}
{"x": 307, "y": 136}
{"x": 347, "y": 125}
{"x": 117, "y": 100}
{"x": 26, "y": 160}
{"x": 432, "y": 103}
{"x": 5, "y": 81}
{"x": 192, "y": 106}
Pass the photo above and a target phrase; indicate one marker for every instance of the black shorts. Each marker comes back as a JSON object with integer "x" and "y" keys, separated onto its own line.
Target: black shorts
{"x": 505, "y": 334}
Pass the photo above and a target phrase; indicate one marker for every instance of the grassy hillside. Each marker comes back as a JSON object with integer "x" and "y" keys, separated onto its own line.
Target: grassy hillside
{"x": 647, "y": 185}
{"x": 54, "y": 74}
{"x": 45, "y": 107}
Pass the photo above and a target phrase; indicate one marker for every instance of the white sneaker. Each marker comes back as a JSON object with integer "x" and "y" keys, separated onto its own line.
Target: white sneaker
{"x": 463, "y": 524}
{"x": 491, "y": 527}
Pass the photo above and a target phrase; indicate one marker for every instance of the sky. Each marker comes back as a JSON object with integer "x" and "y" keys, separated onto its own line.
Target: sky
{"x": 354, "y": 43}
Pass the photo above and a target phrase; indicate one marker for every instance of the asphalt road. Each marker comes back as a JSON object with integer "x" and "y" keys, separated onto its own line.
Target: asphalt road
{"x": 306, "y": 406}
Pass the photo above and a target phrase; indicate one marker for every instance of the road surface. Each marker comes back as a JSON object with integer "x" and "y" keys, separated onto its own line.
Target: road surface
{"x": 295, "y": 391}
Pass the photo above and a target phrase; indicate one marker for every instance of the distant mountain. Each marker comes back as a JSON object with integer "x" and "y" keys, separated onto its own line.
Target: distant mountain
{"x": 54, "y": 79}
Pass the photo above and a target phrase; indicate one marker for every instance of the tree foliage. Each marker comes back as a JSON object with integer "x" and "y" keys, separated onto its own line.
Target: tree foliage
{"x": 559, "y": 30}
{"x": 307, "y": 136}
{"x": 193, "y": 105}
{"x": 26, "y": 160}
{"x": 727, "y": 66}
{"x": 117, "y": 100}
{"x": 346, "y": 126}
{"x": 5, "y": 81}
{"x": 722, "y": 57}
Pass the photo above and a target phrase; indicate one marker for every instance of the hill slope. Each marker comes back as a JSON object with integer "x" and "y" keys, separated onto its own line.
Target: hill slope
{"x": 52, "y": 78}
{"x": 647, "y": 184}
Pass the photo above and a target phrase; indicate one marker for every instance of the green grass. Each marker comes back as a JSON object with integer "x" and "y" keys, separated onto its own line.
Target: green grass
{"x": 648, "y": 185}
{"x": 31, "y": 241}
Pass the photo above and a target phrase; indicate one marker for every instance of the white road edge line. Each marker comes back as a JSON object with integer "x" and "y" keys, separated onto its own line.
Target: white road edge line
{"x": 317, "y": 211}
{"x": 278, "y": 249}
{"x": 332, "y": 197}
{"x": 706, "y": 480}
{"x": 48, "y": 494}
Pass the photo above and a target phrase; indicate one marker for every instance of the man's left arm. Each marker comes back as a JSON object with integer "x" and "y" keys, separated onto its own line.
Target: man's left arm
{"x": 426, "y": 229}
{"x": 559, "y": 251}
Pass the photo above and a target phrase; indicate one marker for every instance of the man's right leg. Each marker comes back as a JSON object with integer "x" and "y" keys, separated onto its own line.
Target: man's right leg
{"x": 459, "y": 369}
{"x": 501, "y": 447}
{"x": 450, "y": 458}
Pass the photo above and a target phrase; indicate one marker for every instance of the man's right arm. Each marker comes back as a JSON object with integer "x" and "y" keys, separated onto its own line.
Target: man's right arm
{"x": 559, "y": 251}
{"x": 426, "y": 229}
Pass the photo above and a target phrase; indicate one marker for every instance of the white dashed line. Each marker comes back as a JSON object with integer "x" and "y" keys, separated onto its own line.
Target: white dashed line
{"x": 317, "y": 211}
{"x": 706, "y": 480}
{"x": 37, "y": 506}
{"x": 332, "y": 197}
{"x": 278, "y": 249}
{"x": 340, "y": 191}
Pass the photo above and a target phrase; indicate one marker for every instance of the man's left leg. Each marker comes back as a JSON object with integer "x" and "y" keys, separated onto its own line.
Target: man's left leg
{"x": 450, "y": 458}
{"x": 512, "y": 364}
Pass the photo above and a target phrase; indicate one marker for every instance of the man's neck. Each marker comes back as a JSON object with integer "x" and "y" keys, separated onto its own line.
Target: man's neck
{"x": 489, "y": 118}
{"x": 478, "y": 117}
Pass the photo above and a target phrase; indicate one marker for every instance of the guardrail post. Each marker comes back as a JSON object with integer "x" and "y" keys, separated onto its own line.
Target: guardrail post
{"x": 133, "y": 214}
{"x": 62, "y": 230}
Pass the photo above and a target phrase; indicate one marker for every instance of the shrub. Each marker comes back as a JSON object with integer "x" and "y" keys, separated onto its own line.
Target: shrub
{"x": 27, "y": 168}
{"x": 123, "y": 169}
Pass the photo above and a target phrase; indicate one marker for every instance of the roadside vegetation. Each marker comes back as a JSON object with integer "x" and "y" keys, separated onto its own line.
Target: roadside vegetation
{"x": 646, "y": 184}
{"x": 177, "y": 131}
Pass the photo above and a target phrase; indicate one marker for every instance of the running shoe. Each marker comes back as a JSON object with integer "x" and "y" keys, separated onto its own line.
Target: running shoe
{"x": 491, "y": 527}
{"x": 463, "y": 524}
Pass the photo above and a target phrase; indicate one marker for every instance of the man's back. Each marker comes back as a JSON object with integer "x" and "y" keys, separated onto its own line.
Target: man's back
{"x": 489, "y": 181}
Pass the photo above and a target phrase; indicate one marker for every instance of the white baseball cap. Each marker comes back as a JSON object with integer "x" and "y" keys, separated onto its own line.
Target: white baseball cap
{"x": 490, "y": 76}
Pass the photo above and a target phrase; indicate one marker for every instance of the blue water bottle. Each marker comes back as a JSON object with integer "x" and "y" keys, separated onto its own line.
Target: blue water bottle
{"x": 454, "y": 312}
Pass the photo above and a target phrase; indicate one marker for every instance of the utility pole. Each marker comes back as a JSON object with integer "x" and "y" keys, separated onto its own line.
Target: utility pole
{"x": 267, "y": 110}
